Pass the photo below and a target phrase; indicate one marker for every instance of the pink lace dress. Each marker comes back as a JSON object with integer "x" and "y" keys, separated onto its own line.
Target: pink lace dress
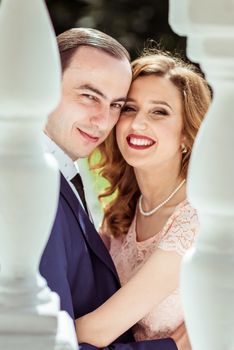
{"x": 178, "y": 235}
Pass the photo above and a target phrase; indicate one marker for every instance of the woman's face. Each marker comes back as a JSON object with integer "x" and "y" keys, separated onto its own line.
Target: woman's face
{"x": 149, "y": 131}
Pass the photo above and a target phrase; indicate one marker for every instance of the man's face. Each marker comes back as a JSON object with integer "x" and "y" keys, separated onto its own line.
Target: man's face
{"x": 94, "y": 88}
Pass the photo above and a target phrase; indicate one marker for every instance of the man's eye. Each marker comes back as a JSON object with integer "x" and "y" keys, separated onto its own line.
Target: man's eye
{"x": 116, "y": 105}
{"x": 90, "y": 97}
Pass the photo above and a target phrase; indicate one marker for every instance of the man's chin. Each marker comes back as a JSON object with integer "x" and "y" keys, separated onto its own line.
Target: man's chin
{"x": 83, "y": 155}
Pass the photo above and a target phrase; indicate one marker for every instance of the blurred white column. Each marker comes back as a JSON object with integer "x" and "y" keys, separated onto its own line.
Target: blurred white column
{"x": 207, "y": 279}
{"x": 29, "y": 90}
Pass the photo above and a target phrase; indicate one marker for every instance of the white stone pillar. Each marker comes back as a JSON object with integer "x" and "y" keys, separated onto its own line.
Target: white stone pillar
{"x": 29, "y": 90}
{"x": 207, "y": 279}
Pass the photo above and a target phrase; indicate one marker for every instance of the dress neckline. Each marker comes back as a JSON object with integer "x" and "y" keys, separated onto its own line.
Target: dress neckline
{"x": 162, "y": 231}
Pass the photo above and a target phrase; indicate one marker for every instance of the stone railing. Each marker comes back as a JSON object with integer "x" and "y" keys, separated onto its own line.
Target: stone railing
{"x": 29, "y": 90}
{"x": 207, "y": 279}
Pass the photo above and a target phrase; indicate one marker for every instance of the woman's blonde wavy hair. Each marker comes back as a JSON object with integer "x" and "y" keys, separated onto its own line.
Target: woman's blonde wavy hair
{"x": 195, "y": 95}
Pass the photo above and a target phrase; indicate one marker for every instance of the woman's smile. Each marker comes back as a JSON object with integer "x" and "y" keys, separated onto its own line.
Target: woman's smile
{"x": 139, "y": 142}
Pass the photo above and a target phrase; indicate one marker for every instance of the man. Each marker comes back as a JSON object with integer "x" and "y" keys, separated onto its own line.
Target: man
{"x": 96, "y": 78}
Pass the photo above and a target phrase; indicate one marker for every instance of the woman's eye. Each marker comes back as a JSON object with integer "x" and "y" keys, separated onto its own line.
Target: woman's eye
{"x": 160, "y": 112}
{"x": 127, "y": 109}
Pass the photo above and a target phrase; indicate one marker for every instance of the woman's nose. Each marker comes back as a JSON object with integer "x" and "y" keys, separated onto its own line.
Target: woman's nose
{"x": 139, "y": 122}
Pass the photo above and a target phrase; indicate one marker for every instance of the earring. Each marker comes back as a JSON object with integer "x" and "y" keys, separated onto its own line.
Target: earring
{"x": 183, "y": 148}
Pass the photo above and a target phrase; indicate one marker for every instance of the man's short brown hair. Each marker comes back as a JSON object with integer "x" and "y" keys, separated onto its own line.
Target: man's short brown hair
{"x": 69, "y": 41}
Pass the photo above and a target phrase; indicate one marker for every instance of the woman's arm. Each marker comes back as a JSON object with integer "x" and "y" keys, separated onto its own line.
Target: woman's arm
{"x": 157, "y": 279}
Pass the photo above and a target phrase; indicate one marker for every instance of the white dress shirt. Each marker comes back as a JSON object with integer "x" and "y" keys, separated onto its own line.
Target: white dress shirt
{"x": 68, "y": 168}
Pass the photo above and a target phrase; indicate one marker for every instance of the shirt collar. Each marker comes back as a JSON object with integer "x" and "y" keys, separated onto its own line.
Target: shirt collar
{"x": 66, "y": 165}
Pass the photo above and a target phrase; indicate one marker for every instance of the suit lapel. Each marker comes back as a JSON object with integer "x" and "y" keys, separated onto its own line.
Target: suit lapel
{"x": 88, "y": 230}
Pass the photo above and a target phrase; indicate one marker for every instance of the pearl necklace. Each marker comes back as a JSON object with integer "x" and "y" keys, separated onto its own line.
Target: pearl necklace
{"x": 148, "y": 213}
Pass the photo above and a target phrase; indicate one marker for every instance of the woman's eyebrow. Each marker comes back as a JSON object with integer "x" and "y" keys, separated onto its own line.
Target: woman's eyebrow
{"x": 160, "y": 102}
{"x": 155, "y": 102}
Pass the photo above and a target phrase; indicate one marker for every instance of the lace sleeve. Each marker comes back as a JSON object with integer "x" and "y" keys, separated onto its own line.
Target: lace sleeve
{"x": 182, "y": 232}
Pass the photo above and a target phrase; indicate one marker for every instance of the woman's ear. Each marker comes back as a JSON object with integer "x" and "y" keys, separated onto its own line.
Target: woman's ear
{"x": 183, "y": 146}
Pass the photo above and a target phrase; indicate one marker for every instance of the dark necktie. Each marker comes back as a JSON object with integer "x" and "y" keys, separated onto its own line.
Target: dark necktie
{"x": 78, "y": 183}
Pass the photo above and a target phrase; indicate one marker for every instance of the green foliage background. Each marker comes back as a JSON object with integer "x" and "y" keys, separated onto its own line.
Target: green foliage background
{"x": 132, "y": 22}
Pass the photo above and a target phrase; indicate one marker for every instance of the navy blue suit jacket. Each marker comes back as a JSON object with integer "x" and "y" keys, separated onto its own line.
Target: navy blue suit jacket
{"x": 77, "y": 265}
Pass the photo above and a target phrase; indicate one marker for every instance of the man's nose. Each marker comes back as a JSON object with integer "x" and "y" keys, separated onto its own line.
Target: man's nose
{"x": 101, "y": 118}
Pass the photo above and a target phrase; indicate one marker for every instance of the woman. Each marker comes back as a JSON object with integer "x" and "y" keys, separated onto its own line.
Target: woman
{"x": 150, "y": 223}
